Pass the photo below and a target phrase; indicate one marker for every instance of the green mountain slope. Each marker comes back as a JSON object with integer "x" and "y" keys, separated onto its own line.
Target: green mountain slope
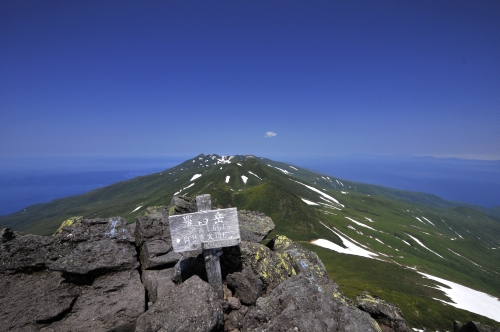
{"x": 380, "y": 236}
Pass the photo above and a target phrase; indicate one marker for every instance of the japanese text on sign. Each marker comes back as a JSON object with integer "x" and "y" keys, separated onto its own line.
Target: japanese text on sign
{"x": 211, "y": 228}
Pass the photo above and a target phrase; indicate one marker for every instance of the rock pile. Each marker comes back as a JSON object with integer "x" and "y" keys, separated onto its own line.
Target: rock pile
{"x": 107, "y": 275}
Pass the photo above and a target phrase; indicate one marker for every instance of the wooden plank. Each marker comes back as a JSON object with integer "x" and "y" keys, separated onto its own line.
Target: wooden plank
{"x": 211, "y": 256}
{"x": 204, "y": 202}
{"x": 221, "y": 243}
{"x": 189, "y": 231}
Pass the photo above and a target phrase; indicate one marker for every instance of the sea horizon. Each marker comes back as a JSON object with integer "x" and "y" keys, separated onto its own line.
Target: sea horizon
{"x": 28, "y": 180}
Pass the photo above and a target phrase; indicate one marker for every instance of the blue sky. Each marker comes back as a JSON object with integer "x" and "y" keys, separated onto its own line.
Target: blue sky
{"x": 189, "y": 77}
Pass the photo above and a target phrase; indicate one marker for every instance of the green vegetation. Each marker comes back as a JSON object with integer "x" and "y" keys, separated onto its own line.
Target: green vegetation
{"x": 393, "y": 224}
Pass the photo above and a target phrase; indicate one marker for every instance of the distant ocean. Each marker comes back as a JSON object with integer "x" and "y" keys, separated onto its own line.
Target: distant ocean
{"x": 461, "y": 180}
{"x": 29, "y": 181}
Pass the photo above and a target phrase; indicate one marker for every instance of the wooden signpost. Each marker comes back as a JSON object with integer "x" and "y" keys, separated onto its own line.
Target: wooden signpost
{"x": 208, "y": 230}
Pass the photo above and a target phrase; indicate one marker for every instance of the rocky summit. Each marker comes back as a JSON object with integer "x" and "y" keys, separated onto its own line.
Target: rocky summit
{"x": 108, "y": 275}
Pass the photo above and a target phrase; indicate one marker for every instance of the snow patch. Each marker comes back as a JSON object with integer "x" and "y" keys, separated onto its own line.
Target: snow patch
{"x": 429, "y": 221}
{"x": 239, "y": 164}
{"x": 137, "y": 208}
{"x": 192, "y": 184}
{"x": 227, "y": 178}
{"x": 360, "y": 224}
{"x": 343, "y": 192}
{"x": 352, "y": 249}
{"x": 466, "y": 298}
{"x": 308, "y": 202}
{"x": 329, "y": 205}
{"x": 195, "y": 177}
{"x": 320, "y": 192}
{"x": 416, "y": 240}
{"x": 254, "y": 175}
{"x": 464, "y": 258}
{"x": 368, "y": 219}
{"x": 420, "y": 220}
{"x": 283, "y": 170}
{"x": 225, "y": 160}
{"x": 244, "y": 178}
{"x": 293, "y": 168}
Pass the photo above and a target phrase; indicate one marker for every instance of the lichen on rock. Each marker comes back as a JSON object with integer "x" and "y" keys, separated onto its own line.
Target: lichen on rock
{"x": 68, "y": 222}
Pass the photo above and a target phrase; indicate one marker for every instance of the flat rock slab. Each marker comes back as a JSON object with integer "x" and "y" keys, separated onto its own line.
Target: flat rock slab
{"x": 29, "y": 253}
{"x": 48, "y": 299}
{"x": 112, "y": 303}
{"x": 97, "y": 257}
{"x": 95, "y": 229}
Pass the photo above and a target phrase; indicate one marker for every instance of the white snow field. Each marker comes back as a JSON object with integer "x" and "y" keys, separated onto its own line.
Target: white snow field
{"x": 227, "y": 178}
{"x": 352, "y": 248}
{"x": 361, "y": 224}
{"x": 244, "y": 178}
{"x": 468, "y": 299}
{"x": 195, "y": 177}
{"x": 320, "y": 192}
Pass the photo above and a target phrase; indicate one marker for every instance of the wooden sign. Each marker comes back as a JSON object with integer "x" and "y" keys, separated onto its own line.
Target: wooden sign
{"x": 208, "y": 230}
{"x": 205, "y": 230}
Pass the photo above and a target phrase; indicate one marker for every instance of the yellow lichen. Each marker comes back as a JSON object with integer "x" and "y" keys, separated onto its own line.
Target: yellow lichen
{"x": 171, "y": 211}
{"x": 68, "y": 222}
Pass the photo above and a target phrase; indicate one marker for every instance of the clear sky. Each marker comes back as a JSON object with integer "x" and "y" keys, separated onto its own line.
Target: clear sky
{"x": 250, "y": 77}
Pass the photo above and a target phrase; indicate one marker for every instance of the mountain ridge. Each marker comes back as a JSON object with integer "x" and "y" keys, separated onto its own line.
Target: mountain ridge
{"x": 387, "y": 226}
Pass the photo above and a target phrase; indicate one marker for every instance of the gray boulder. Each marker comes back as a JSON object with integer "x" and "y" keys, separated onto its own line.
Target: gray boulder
{"x": 297, "y": 305}
{"x": 115, "y": 228}
{"x": 157, "y": 282}
{"x": 97, "y": 257}
{"x": 27, "y": 300}
{"x": 149, "y": 229}
{"x": 254, "y": 226}
{"x": 191, "y": 306}
{"x": 235, "y": 319}
{"x": 30, "y": 253}
{"x": 265, "y": 263}
{"x": 305, "y": 262}
{"x": 6, "y": 234}
{"x": 112, "y": 303}
{"x": 388, "y": 315}
{"x": 157, "y": 211}
{"x": 152, "y": 237}
{"x": 82, "y": 279}
{"x": 247, "y": 286}
{"x": 158, "y": 253}
{"x": 473, "y": 327}
{"x": 182, "y": 205}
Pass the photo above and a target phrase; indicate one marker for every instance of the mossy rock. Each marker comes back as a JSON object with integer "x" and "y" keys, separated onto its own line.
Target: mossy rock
{"x": 69, "y": 222}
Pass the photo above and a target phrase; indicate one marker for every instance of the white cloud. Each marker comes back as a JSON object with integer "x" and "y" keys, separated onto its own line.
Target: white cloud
{"x": 270, "y": 134}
